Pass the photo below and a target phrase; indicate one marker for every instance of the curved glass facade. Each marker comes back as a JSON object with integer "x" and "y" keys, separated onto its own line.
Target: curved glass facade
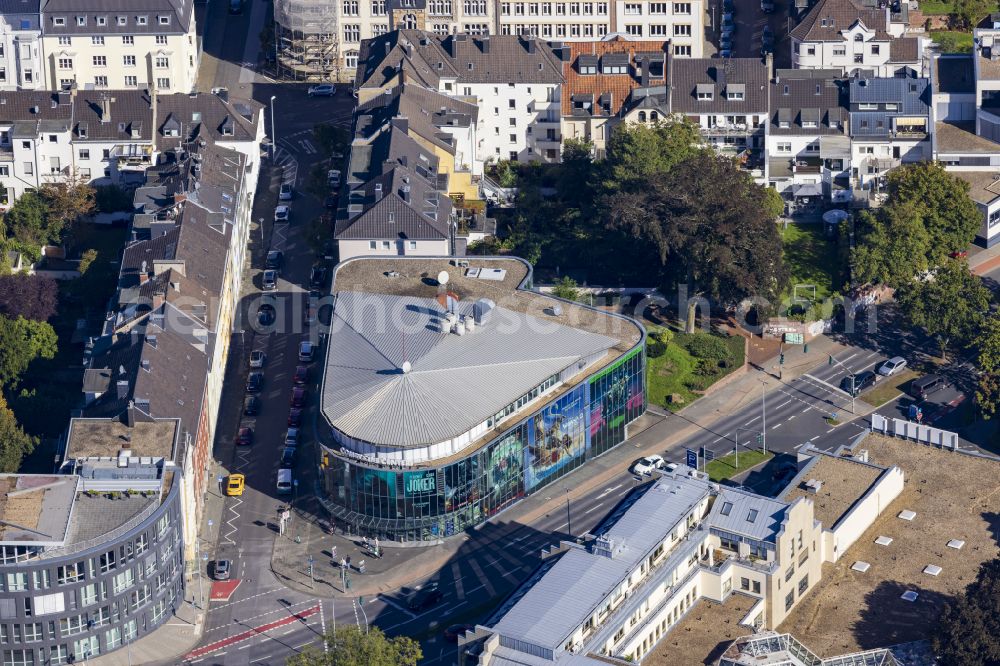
{"x": 433, "y": 503}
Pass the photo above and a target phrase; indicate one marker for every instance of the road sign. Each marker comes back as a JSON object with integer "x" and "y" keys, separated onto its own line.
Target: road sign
{"x": 708, "y": 454}
{"x": 691, "y": 458}
{"x": 794, "y": 338}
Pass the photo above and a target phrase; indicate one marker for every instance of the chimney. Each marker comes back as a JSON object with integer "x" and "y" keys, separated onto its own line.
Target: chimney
{"x": 130, "y": 415}
{"x": 484, "y": 44}
{"x": 402, "y": 123}
{"x": 529, "y": 44}
{"x": 643, "y": 64}
{"x": 122, "y": 389}
{"x": 106, "y": 108}
{"x": 404, "y": 192}
{"x": 769, "y": 61}
{"x": 378, "y": 191}
{"x": 408, "y": 48}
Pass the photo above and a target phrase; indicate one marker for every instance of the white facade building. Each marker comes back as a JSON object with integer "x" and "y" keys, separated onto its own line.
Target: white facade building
{"x": 21, "y": 59}
{"x": 105, "y": 47}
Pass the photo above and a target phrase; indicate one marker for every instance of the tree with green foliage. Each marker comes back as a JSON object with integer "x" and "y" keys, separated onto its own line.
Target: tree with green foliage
{"x": 987, "y": 343}
{"x": 67, "y": 202}
{"x": 968, "y": 630}
{"x": 636, "y": 151}
{"x": 14, "y": 442}
{"x": 893, "y": 246}
{"x": 988, "y": 394}
{"x": 86, "y": 259}
{"x": 709, "y": 226}
{"x": 28, "y": 220}
{"x": 950, "y": 305}
{"x": 966, "y": 14}
{"x": 774, "y": 205}
{"x": 112, "y": 199}
{"x": 329, "y": 139}
{"x": 22, "y": 341}
{"x": 349, "y": 645}
{"x": 566, "y": 287}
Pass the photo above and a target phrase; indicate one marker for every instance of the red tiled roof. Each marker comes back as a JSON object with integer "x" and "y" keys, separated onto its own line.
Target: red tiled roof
{"x": 619, "y": 85}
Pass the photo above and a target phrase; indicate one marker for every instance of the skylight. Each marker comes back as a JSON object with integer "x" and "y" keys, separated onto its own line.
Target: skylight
{"x": 727, "y": 507}
{"x": 752, "y": 516}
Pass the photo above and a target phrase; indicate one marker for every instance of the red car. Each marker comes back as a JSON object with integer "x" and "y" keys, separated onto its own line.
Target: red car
{"x": 301, "y": 375}
{"x": 295, "y": 417}
{"x": 244, "y": 437}
{"x": 959, "y": 254}
{"x": 298, "y": 397}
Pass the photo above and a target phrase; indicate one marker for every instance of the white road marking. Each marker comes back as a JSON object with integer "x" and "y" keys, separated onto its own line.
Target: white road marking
{"x": 828, "y": 385}
{"x": 751, "y": 420}
{"x": 482, "y": 577}
{"x": 814, "y": 438}
{"x": 594, "y": 508}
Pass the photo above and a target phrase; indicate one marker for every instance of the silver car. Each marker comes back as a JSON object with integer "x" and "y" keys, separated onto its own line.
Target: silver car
{"x": 892, "y": 366}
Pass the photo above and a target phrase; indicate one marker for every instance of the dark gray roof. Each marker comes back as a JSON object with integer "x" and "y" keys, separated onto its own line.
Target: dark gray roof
{"x": 799, "y": 95}
{"x": 180, "y": 13}
{"x": 398, "y": 204}
{"x": 203, "y": 116}
{"x": 828, "y": 18}
{"x": 35, "y": 105}
{"x": 687, "y": 74}
{"x": 426, "y": 113}
{"x": 427, "y": 58}
{"x": 130, "y": 116}
{"x": 954, "y": 74}
{"x": 390, "y": 147}
{"x": 16, "y": 7}
{"x": 912, "y": 96}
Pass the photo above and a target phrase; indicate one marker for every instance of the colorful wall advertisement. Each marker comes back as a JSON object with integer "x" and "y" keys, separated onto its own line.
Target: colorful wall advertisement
{"x": 616, "y": 397}
{"x": 504, "y": 472}
{"x": 559, "y": 438}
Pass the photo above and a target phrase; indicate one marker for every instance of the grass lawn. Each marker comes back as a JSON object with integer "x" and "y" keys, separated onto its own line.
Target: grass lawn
{"x": 937, "y": 7}
{"x": 725, "y": 467}
{"x": 812, "y": 261}
{"x": 679, "y": 372}
{"x": 888, "y": 388}
{"x": 952, "y": 41}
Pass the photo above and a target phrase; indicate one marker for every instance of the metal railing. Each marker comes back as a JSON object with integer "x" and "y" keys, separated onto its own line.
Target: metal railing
{"x": 108, "y": 537}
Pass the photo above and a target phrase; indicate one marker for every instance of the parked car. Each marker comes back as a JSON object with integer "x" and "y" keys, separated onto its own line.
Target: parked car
{"x": 317, "y": 277}
{"x": 245, "y": 436}
{"x": 426, "y": 598}
{"x": 266, "y": 315}
{"x": 648, "y": 464}
{"x": 288, "y": 457}
{"x": 235, "y": 485}
{"x": 274, "y": 259}
{"x": 452, "y": 633}
{"x": 959, "y": 254}
{"x": 301, "y": 375}
{"x": 295, "y": 417}
{"x": 333, "y": 178}
{"x": 855, "y": 385}
{"x": 257, "y": 358}
{"x": 322, "y": 90}
{"x": 892, "y": 366}
{"x": 282, "y": 213}
{"x": 269, "y": 281}
{"x": 292, "y": 437}
{"x": 298, "y": 398}
{"x": 221, "y": 569}
{"x": 306, "y": 351}
{"x": 926, "y": 385}
{"x": 255, "y": 382}
{"x": 251, "y": 406}
{"x": 285, "y": 192}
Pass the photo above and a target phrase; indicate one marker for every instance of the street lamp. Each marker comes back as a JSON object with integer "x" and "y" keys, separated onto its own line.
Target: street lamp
{"x": 274, "y": 134}
{"x": 763, "y": 414}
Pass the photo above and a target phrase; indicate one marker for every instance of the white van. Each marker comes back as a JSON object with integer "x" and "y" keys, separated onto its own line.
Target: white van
{"x": 284, "y": 481}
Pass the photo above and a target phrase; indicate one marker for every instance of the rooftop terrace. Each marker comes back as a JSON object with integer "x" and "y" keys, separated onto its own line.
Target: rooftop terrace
{"x": 92, "y": 438}
{"x": 35, "y": 509}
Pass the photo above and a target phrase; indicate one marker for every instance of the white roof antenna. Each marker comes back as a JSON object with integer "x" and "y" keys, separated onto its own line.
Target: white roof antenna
{"x": 406, "y": 367}
{"x": 443, "y": 278}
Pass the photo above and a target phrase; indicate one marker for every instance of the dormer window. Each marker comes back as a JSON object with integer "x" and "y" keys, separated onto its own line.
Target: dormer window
{"x": 859, "y": 37}
{"x": 705, "y": 92}
{"x": 735, "y": 92}
{"x": 588, "y": 69}
{"x": 81, "y": 20}
{"x": 141, "y": 20}
{"x": 121, "y": 20}
{"x": 58, "y": 20}
{"x": 164, "y": 20}
{"x": 102, "y": 20}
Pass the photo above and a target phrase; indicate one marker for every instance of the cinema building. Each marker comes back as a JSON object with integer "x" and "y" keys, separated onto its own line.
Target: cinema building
{"x": 451, "y": 392}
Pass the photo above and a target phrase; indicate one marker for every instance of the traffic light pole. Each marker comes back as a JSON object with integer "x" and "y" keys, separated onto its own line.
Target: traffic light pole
{"x": 849, "y": 374}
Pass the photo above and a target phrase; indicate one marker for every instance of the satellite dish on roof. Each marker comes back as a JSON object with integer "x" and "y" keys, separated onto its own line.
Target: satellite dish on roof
{"x": 406, "y": 367}
{"x": 443, "y": 277}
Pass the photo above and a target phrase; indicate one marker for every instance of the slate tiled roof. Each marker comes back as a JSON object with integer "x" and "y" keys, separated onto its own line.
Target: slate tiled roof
{"x": 396, "y": 204}
{"x": 904, "y": 49}
{"x": 426, "y": 112}
{"x": 15, "y": 7}
{"x": 128, "y": 111}
{"x": 35, "y": 105}
{"x": 618, "y": 87}
{"x": 686, "y": 74}
{"x": 912, "y": 96}
{"x": 828, "y": 18}
{"x": 204, "y": 116}
{"x": 799, "y": 93}
{"x": 427, "y": 58}
{"x": 181, "y": 13}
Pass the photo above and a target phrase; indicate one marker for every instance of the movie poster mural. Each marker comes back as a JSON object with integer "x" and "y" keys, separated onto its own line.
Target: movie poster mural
{"x": 504, "y": 471}
{"x": 617, "y": 397}
{"x": 559, "y": 439}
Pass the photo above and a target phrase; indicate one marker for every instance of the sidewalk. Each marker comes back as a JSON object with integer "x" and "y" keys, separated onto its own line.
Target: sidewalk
{"x": 654, "y": 432}
{"x": 982, "y": 261}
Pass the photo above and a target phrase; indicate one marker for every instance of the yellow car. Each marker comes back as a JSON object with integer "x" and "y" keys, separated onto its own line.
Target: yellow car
{"x": 235, "y": 486}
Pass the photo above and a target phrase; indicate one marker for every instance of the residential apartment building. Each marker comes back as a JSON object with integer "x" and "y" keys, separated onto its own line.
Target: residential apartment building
{"x": 619, "y": 592}
{"x": 851, "y": 37}
{"x": 808, "y": 147}
{"x": 728, "y": 100}
{"x": 600, "y": 77}
{"x": 890, "y": 124}
{"x": 408, "y": 180}
{"x": 321, "y": 41}
{"x": 100, "y": 46}
{"x": 516, "y": 83}
{"x": 166, "y": 342}
{"x": 21, "y": 57}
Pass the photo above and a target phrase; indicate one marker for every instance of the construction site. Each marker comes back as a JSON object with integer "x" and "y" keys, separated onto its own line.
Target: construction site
{"x": 307, "y": 44}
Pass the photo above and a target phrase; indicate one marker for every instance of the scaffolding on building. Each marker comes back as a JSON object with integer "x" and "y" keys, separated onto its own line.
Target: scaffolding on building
{"x": 306, "y": 44}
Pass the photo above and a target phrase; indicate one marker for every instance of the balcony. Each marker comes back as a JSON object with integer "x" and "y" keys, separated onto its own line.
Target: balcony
{"x": 6, "y": 153}
{"x": 133, "y": 157}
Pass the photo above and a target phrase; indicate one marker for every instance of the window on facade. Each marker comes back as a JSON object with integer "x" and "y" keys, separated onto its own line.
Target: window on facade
{"x": 439, "y": 7}
{"x": 19, "y": 658}
{"x": 65, "y": 41}
{"x": 682, "y": 50}
{"x": 69, "y": 573}
{"x": 634, "y": 29}
{"x": 17, "y": 582}
{"x": 162, "y": 62}
{"x": 350, "y": 8}
{"x": 859, "y": 58}
{"x": 633, "y": 8}
{"x": 352, "y": 33}
{"x": 682, "y": 8}
{"x": 65, "y": 63}
{"x": 100, "y": 61}
{"x": 803, "y": 584}
{"x": 131, "y": 81}
{"x": 657, "y": 30}
{"x": 790, "y": 600}
{"x": 128, "y": 61}
{"x": 161, "y": 40}
{"x": 69, "y": 626}
{"x": 163, "y": 83}
{"x": 682, "y": 30}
